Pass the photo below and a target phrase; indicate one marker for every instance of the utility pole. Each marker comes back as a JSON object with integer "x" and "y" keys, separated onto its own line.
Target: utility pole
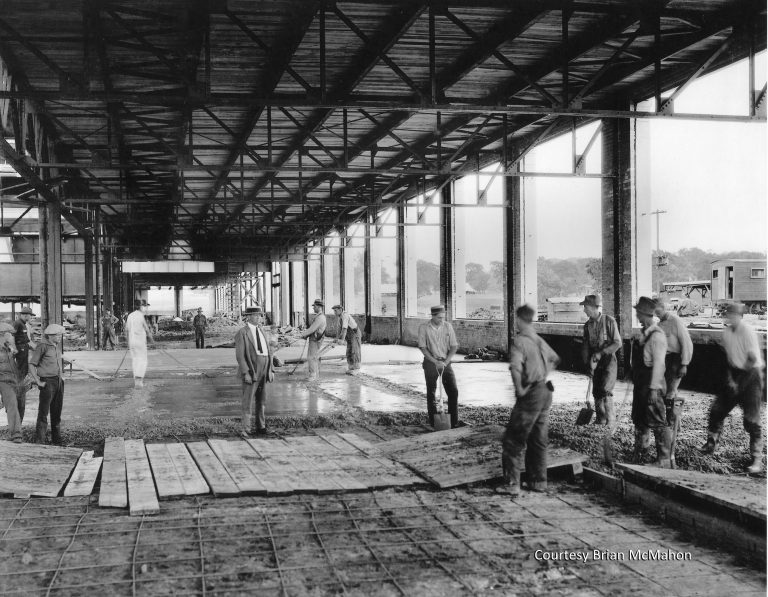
{"x": 661, "y": 260}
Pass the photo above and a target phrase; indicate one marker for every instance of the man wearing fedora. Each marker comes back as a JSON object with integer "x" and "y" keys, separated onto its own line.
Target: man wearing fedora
{"x": 137, "y": 331}
{"x": 46, "y": 367}
{"x": 601, "y": 340}
{"x": 437, "y": 341}
{"x": 253, "y": 351}
{"x": 22, "y": 337}
{"x": 743, "y": 386}
{"x": 679, "y": 354}
{"x": 350, "y": 332}
{"x": 199, "y": 323}
{"x": 649, "y": 411}
{"x": 315, "y": 334}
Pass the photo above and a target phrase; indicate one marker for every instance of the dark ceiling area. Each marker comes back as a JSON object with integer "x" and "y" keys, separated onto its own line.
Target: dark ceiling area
{"x": 238, "y": 129}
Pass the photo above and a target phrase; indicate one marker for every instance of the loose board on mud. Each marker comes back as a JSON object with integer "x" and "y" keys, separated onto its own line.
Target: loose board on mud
{"x": 35, "y": 470}
{"x": 464, "y": 455}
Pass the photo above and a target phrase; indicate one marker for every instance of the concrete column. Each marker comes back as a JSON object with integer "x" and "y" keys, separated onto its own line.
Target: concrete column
{"x": 513, "y": 253}
{"x": 446, "y": 254}
{"x": 367, "y": 281}
{"x": 50, "y": 264}
{"x": 177, "y": 300}
{"x": 89, "y": 323}
{"x": 401, "y": 269}
{"x": 617, "y": 222}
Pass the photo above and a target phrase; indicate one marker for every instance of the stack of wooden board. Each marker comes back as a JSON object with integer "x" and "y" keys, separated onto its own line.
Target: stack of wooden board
{"x": 463, "y": 455}
{"x": 35, "y": 470}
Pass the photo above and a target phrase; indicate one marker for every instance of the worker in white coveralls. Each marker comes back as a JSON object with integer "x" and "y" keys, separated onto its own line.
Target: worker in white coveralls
{"x": 350, "y": 332}
{"x": 136, "y": 332}
{"x": 315, "y": 334}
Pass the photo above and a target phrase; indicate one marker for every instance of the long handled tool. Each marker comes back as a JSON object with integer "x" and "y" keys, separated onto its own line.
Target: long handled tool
{"x": 442, "y": 418}
{"x": 585, "y": 414}
{"x": 170, "y": 356}
{"x": 299, "y": 361}
{"x": 114, "y": 375}
{"x": 84, "y": 370}
{"x": 608, "y": 439}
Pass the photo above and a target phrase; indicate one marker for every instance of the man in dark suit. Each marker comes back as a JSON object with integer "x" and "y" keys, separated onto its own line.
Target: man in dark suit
{"x": 253, "y": 350}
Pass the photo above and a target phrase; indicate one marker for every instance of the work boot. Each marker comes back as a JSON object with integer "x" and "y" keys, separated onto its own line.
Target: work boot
{"x": 642, "y": 448}
{"x": 663, "y": 437}
{"x": 41, "y": 432}
{"x": 55, "y": 435}
{"x": 711, "y": 444}
{"x": 757, "y": 464}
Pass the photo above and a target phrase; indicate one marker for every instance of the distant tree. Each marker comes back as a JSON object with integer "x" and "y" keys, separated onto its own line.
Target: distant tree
{"x": 594, "y": 268}
{"x": 427, "y": 277}
{"x": 497, "y": 275}
{"x": 477, "y": 277}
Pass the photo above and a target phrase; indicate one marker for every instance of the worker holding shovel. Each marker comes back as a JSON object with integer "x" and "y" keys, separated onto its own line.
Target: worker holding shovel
{"x": 314, "y": 334}
{"x": 437, "y": 341}
{"x": 598, "y": 351}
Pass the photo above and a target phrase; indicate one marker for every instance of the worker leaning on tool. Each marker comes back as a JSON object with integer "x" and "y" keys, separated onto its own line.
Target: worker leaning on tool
{"x": 743, "y": 386}
{"x": 108, "y": 322}
{"x": 437, "y": 341}
{"x": 679, "y": 354}
{"x": 598, "y": 351}
{"x": 649, "y": 411}
{"x": 527, "y": 435}
{"x": 46, "y": 367}
{"x": 315, "y": 334}
{"x": 10, "y": 380}
{"x": 350, "y": 332}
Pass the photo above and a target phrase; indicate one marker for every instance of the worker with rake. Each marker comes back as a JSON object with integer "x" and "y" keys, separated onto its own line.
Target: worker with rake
{"x": 527, "y": 435}
{"x": 649, "y": 411}
{"x": 253, "y": 351}
{"x": 314, "y": 334}
{"x": 598, "y": 351}
{"x": 137, "y": 331}
{"x": 350, "y": 332}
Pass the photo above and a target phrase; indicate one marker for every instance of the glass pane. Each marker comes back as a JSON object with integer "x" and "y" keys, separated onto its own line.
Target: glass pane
{"x": 354, "y": 271}
{"x": 332, "y": 270}
{"x": 422, "y": 256}
{"x": 384, "y": 270}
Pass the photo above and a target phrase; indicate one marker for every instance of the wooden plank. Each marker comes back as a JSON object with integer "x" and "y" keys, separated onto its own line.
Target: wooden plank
{"x": 343, "y": 446}
{"x": 113, "y": 491}
{"x": 283, "y": 461}
{"x": 233, "y": 462}
{"x": 274, "y": 484}
{"x": 167, "y": 480}
{"x": 33, "y": 469}
{"x": 426, "y": 440}
{"x": 142, "y": 498}
{"x": 218, "y": 478}
{"x": 191, "y": 477}
{"x": 364, "y": 446}
{"x": 84, "y": 476}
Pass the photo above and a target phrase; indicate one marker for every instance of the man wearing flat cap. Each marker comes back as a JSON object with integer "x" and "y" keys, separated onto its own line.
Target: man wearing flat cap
{"x": 437, "y": 341}
{"x": 10, "y": 381}
{"x": 46, "y": 367}
{"x": 253, "y": 351}
{"x": 200, "y": 322}
{"x": 350, "y": 332}
{"x": 679, "y": 354}
{"x": 743, "y": 386}
{"x": 649, "y": 411}
{"x": 598, "y": 351}
{"x": 315, "y": 334}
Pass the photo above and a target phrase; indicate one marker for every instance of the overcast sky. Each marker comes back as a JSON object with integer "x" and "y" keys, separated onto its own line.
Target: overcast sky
{"x": 709, "y": 177}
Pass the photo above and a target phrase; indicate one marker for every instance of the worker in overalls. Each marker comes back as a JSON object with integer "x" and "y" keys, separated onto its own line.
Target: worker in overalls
{"x": 649, "y": 411}
{"x": 679, "y": 354}
{"x": 601, "y": 340}
{"x": 315, "y": 334}
{"x": 350, "y": 332}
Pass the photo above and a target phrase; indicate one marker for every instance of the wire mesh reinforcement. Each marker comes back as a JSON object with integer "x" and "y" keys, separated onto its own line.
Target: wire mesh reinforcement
{"x": 463, "y": 542}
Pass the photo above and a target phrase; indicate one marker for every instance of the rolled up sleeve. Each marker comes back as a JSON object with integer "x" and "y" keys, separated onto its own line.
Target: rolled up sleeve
{"x": 658, "y": 347}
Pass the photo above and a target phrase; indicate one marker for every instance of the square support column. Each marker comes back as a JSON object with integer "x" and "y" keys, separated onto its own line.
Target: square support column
{"x": 513, "y": 269}
{"x": 51, "y": 308}
{"x": 89, "y": 319}
{"x": 401, "y": 270}
{"x": 446, "y": 253}
{"x": 617, "y": 222}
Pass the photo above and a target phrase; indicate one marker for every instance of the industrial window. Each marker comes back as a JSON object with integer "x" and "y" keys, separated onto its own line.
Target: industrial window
{"x": 715, "y": 273}
{"x": 422, "y": 255}
{"x": 314, "y": 279}
{"x": 332, "y": 270}
{"x": 384, "y": 269}
{"x": 354, "y": 270}
{"x": 757, "y": 272}
{"x": 478, "y": 247}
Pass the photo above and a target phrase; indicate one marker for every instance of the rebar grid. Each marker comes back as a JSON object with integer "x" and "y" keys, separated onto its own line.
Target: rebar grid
{"x": 398, "y": 555}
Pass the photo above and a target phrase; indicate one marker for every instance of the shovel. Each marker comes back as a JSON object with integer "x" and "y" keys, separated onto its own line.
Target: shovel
{"x": 585, "y": 414}
{"x": 442, "y": 418}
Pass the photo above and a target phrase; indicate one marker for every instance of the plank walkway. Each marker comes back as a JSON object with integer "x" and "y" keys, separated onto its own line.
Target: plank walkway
{"x": 35, "y": 470}
{"x": 464, "y": 455}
